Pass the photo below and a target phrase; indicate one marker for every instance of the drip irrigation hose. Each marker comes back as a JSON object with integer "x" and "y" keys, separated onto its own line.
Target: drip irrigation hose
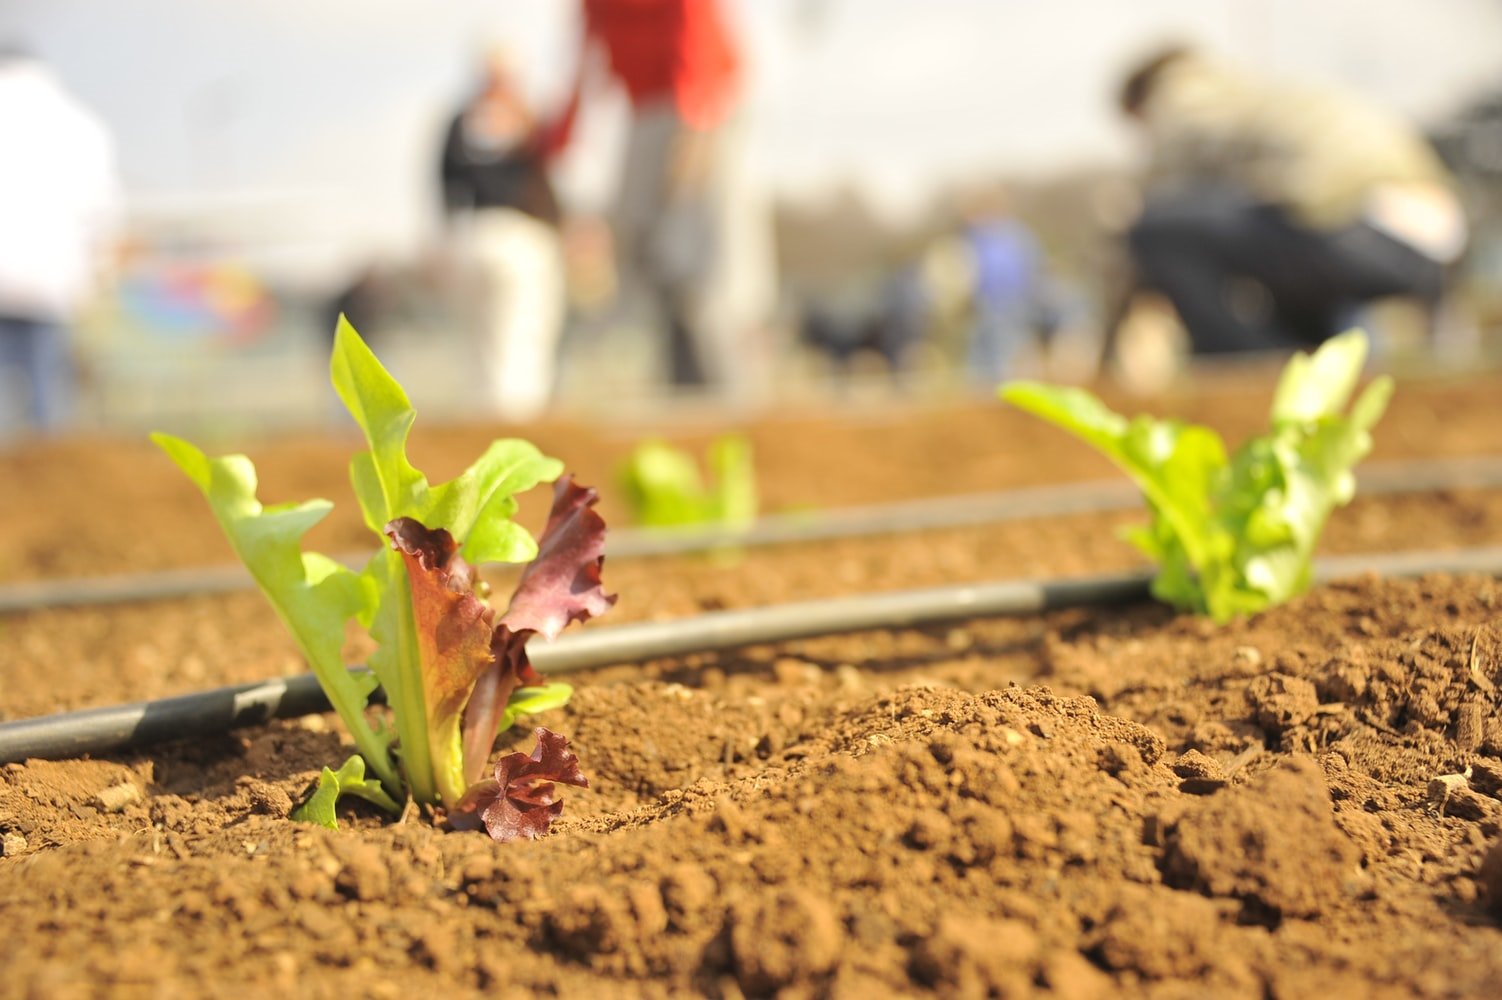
{"x": 120, "y": 727}
{"x": 1098, "y": 496}
{"x": 964, "y": 511}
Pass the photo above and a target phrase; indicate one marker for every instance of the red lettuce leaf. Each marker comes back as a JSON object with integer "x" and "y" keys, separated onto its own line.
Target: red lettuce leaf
{"x": 519, "y": 801}
{"x": 560, "y": 586}
{"x": 454, "y": 631}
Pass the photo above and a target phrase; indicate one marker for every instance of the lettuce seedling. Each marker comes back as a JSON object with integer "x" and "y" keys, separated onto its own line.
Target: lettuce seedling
{"x": 454, "y": 674}
{"x": 664, "y": 489}
{"x": 348, "y": 780}
{"x": 1235, "y": 535}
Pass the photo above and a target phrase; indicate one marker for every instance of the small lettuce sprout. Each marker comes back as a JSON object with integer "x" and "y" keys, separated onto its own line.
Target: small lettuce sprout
{"x": 1233, "y": 536}
{"x": 348, "y": 780}
{"x": 454, "y": 674}
{"x": 664, "y": 489}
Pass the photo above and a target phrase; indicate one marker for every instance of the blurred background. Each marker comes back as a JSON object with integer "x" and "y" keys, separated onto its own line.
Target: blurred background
{"x": 553, "y": 206}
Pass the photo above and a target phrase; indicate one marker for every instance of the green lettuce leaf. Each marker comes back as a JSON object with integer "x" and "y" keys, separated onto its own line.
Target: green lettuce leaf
{"x": 664, "y": 487}
{"x": 313, "y": 595}
{"x": 1234, "y": 536}
{"x": 348, "y": 780}
{"x": 733, "y": 468}
{"x": 475, "y": 507}
{"x": 534, "y": 701}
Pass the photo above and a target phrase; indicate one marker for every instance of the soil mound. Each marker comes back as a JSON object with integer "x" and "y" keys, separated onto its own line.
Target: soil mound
{"x": 815, "y": 839}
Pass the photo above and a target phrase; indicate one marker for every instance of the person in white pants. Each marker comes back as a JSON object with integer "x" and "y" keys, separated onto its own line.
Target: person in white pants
{"x": 517, "y": 282}
{"x": 497, "y": 194}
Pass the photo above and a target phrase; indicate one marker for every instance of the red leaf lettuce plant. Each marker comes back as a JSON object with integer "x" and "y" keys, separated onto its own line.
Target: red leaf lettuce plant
{"x": 454, "y": 673}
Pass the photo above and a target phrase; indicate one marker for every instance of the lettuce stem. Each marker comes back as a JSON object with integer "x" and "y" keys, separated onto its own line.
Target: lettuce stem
{"x": 349, "y": 704}
{"x": 406, "y": 699}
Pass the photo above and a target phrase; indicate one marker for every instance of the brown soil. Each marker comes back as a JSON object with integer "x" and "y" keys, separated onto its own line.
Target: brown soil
{"x": 1087, "y": 803}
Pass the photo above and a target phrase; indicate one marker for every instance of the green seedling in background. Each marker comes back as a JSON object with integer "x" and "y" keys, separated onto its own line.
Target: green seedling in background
{"x": 454, "y": 673}
{"x": 1234, "y": 536}
{"x": 664, "y": 488}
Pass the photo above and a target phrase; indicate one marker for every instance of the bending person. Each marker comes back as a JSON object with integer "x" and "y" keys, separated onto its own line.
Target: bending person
{"x": 1272, "y": 212}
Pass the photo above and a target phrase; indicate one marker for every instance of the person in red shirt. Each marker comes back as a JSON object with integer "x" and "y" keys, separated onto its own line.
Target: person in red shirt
{"x": 689, "y": 235}
{"x": 679, "y": 51}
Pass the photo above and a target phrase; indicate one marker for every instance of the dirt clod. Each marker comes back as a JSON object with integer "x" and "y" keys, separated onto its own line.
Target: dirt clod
{"x": 116, "y": 797}
{"x": 967, "y": 958}
{"x": 1280, "y": 702}
{"x": 1470, "y": 725}
{"x": 363, "y": 872}
{"x": 1202, "y": 775}
{"x": 1486, "y": 777}
{"x": 1451, "y": 795}
{"x": 265, "y": 798}
{"x": 1193, "y": 764}
{"x": 792, "y": 936}
{"x": 687, "y": 892}
{"x": 1491, "y": 877}
{"x": 1272, "y": 844}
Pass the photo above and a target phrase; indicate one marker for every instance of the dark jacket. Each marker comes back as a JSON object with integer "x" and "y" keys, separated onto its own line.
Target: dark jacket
{"x": 475, "y": 177}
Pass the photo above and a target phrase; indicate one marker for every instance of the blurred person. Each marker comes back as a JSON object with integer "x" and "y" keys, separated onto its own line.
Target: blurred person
{"x": 58, "y": 203}
{"x": 1008, "y": 288}
{"x": 905, "y": 313}
{"x": 365, "y": 300}
{"x": 1273, "y": 211}
{"x": 500, "y": 200}
{"x": 691, "y": 236}
{"x": 885, "y": 315}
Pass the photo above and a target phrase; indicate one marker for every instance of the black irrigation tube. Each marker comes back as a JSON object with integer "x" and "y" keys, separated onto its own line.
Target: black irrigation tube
{"x": 1376, "y": 478}
{"x": 101, "y": 730}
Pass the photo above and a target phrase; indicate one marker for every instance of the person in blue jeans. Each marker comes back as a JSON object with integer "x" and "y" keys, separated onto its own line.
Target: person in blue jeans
{"x": 34, "y": 357}
{"x": 1009, "y": 289}
{"x": 1005, "y": 258}
{"x": 57, "y": 206}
